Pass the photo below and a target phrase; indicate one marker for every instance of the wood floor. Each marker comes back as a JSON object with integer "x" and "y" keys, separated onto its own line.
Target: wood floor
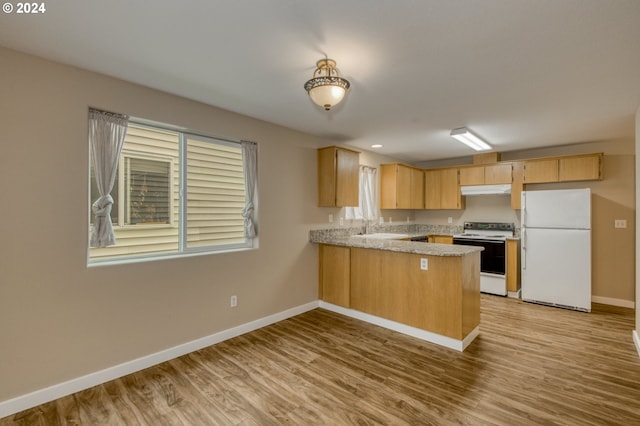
{"x": 531, "y": 364}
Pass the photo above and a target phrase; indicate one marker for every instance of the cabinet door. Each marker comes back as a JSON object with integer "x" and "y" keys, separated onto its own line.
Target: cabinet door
{"x": 347, "y": 180}
{"x": 517, "y": 185}
{"x": 497, "y": 173}
{"x": 432, "y": 190}
{"x": 588, "y": 167}
{"x": 335, "y": 275}
{"x": 327, "y": 177}
{"x": 441, "y": 239}
{"x": 366, "y": 282}
{"x": 541, "y": 171}
{"x": 338, "y": 181}
{"x": 513, "y": 266}
{"x": 450, "y": 197}
{"x": 417, "y": 189}
{"x": 388, "y": 184}
{"x": 403, "y": 187}
{"x": 472, "y": 175}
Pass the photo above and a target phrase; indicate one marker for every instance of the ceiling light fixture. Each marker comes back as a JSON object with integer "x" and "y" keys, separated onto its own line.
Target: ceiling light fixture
{"x": 377, "y": 145}
{"x": 466, "y": 137}
{"x": 326, "y": 88}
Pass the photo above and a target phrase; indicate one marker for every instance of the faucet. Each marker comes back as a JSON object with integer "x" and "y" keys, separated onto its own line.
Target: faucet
{"x": 365, "y": 226}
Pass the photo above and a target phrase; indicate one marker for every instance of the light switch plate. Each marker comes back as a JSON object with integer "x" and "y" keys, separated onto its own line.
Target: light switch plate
{"x": 620, "y": 223}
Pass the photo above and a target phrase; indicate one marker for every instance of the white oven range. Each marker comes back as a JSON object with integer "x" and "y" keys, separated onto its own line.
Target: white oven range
{"x": 492, "y": 236}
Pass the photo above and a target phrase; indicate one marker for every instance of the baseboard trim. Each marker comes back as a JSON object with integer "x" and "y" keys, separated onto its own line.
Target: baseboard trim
{"x": 438, "y": 339}
{"x": 613, "y": 302}
{"x": 24, "y": 402}
{"x": 636, "y": 340}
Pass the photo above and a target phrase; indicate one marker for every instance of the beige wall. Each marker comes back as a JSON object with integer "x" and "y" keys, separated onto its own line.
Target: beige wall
{"x": 59, "y": 319}
{"x": 613, "y": 198}
{"x": 637, "y": 257}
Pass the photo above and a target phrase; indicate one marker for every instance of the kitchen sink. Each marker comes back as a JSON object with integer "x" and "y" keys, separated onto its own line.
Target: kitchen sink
{"x": 383, "y": 236}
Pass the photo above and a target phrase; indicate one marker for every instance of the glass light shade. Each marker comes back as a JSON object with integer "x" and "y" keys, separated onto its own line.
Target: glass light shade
{"x": 326, "y": 88}
{"x": 327, "y": 96}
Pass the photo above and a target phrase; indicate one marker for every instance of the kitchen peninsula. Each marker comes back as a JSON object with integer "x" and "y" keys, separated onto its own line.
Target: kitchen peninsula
{"x": 429, "y": 291}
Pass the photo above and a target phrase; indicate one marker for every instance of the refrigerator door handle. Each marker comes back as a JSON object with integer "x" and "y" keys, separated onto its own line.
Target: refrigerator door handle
{"x": 524, "y": 248}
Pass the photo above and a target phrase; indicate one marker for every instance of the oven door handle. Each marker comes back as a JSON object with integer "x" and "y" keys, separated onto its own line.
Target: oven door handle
{"x": 479, "y": 240}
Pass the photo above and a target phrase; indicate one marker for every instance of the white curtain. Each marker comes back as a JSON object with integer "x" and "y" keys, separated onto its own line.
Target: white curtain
{"x": 250, "y": 165}
{"x": 106, "y": 137}
{"x": 368, "y": 201}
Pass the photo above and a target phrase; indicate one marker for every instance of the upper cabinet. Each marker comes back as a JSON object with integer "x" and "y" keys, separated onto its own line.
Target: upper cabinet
{"x": 401, "y": 187}
{"x": 338, "y": 182}
{"x": 473, "y": 175}
{"x": 563, "y": 169}
{"x": 489, "y": 174}
{"x": 441, "y": 189}
{"x": 540, "y": 170}
{"x": 580, "y": 167}
{"x": 407, "y": 187}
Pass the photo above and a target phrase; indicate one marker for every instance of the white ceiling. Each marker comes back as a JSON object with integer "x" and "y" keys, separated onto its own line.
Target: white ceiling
{"x": 520, "y": 73}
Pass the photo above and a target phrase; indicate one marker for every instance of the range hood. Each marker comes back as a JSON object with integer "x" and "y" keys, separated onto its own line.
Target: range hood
{"x": 486, "y": 189}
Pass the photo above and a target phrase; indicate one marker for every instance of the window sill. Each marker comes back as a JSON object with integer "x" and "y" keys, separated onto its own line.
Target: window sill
{"x": 169, "y": 256}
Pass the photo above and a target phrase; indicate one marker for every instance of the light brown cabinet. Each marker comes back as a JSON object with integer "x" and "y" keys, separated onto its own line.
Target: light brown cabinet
{"x": 441, "y": 189}
{"x": 540, "y": 171}
{"x": 498, "y": 173}
{"x": 580, "y": 167}
{"x": 517, "y": 186}
{"x": 489, "y": 174}
{"x": 334, "y": 275}
{"x": 441, "y": 239}
{"x": 563, "y": 169}
{"x": 338, "y": 181}
{"x": 401, "y": 187}
{"x": 445, "y": 299}
{"x": 472, "y": 175}
{"x": 513, "y": 266}
{"x": 417, "y": 189}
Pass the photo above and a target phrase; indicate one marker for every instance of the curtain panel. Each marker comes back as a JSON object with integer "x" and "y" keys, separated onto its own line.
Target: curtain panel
{"x": 368, "y": 199}
{"x": 106, "y": 137}
{"x": 250, "y": 165}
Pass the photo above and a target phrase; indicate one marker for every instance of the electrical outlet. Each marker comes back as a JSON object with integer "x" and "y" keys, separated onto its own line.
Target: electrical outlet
{"x": 234, "y": 301}
{"x": 341, "y": 221}
{"x": 620, "y": 223}
{"x": 424, "y": 264}
{"x": 449, "y": 220}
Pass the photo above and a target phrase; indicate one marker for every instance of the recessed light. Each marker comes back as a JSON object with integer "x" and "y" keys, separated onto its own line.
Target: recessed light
{"x": 376, "y": 146}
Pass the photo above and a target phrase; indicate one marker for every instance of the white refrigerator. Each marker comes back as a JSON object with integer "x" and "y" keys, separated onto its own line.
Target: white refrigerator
{"x": 556, "y": 248}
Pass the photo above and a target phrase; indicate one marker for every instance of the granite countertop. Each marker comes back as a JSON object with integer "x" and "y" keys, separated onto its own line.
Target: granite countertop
{"x": 415, "y": 247}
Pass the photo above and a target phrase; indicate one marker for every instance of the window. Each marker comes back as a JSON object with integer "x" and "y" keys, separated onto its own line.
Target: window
{"x": 146, "y": 191}
{"x": 368, "y": 196}
{"x": 175, "y": 193}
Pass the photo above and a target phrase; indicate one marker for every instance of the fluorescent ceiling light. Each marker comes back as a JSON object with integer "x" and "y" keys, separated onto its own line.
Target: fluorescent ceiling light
{"x": 469, "y": 139}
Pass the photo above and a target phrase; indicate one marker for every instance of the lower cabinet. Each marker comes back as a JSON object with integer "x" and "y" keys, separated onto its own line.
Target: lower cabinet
{"x": 441, "y": 239}
{"x": 513, "y": 266}
{"x": 334, "y": 274}
{"x": 443, "y": 299}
